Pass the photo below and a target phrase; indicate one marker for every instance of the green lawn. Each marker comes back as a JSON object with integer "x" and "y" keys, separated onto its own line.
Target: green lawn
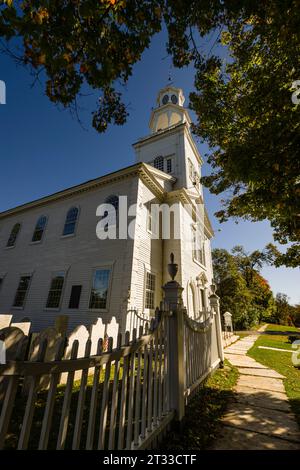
{"x": 204, "y": 412}
{"x": 280, "y": 361}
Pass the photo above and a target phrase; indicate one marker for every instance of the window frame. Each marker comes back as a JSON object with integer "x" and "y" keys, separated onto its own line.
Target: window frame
{"x": 17, "y": 235}
{"x": 198, "y": 250}
{"x": 55, "y": 274}
{"x": 106, "y": 267}
{"x": 165, "y": 160}
{"x": 21, "y": 276}
{"x": 154, "y": 274}
{"x": 161, "y": 160}
{"x": 34, "y": 242}
{"x": 76, "y": 222}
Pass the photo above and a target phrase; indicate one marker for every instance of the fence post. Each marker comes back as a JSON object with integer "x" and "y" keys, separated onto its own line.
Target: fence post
{"x": 173, "y": 298}
{"x": 214, "y": 300}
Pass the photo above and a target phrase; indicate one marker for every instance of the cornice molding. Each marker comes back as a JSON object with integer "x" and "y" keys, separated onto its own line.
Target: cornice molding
{"x": 75, "y": 190}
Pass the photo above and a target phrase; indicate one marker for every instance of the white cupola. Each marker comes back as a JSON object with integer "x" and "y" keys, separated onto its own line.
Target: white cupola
{"x": 169, "y": 110}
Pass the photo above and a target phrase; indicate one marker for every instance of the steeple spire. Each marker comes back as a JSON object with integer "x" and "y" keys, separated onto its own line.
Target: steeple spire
{"x": 170, "y": 79}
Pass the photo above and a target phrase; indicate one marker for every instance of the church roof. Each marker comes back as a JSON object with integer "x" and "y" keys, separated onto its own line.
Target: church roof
{"x": 139, "y": 169}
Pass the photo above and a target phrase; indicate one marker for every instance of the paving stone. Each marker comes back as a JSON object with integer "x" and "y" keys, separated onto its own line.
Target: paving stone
{"x": 261, "y": 383}
{"x": 240, "y": 360}
{"x": 263, "y": 398}
{"x": 262, "y": 420}
{"x": 259, "y": 416}
{"x": 235, "y": 351}
{"x": 238, "y": 439}
{"x": 260, "y": 372}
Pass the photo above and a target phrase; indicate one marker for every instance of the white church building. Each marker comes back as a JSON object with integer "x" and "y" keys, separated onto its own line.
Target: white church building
{"x": 53, "y": 262}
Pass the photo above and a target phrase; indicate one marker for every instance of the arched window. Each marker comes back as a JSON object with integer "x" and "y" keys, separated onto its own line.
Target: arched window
{"x": 39, "y": 229}
{"x": 71, "y": 221}
{"x": 14, "y": 235}
{"x": 112, "y": 214}
{"x": 114, "y": 201}
{"x": 159, "y": 163}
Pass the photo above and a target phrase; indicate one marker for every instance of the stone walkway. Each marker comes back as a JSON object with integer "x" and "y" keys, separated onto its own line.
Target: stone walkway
{"x": 259, "y": 417}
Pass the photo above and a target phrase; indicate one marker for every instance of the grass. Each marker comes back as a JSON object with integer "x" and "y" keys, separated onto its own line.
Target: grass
{"x": 20, "y": 402}
{"x": 281, "y": 362}
{"x": 204, "y": 412}
{"x": 243, "y": 334}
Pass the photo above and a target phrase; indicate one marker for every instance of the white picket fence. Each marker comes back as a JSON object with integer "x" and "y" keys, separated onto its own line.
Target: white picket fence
{"x": 122, "y": 398}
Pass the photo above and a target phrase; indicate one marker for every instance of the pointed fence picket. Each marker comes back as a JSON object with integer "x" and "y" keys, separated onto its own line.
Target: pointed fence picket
{"x": 127, "y": 395}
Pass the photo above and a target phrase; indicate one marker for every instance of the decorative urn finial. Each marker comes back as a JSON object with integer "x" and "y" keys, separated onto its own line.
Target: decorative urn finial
{"x": 172, "y": 267}
{"x": 213, "y": 287}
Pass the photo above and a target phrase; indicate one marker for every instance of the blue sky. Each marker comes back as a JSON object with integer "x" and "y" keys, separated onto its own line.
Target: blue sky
{"x": 44, "y": 149}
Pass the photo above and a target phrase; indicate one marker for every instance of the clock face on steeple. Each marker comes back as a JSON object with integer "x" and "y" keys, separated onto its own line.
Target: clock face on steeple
{"x": 170, "y": 110}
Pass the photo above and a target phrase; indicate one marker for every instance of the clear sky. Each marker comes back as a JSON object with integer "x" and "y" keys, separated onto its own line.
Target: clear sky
{"x": 44, "y": 149}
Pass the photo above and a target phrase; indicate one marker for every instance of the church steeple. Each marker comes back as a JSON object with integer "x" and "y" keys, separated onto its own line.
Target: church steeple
{"x": 170, "y": 146}
{"x": 169, "y": 110}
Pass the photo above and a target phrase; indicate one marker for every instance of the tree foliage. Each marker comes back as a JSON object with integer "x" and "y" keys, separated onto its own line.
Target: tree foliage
{"x": 242, "y": 289}
{"x": 284, "y": 312}
{"x": 242, "y": 95}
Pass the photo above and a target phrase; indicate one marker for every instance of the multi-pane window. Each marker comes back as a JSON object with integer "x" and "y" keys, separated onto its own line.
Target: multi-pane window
{"x": 13, "y": 235}
{"x": 163, "y": 163}
{"x": 149, "y": 218}
{"x": 22, "y": 290}
{"x": 159, "y": 163}
{"x": 71, "y": 220}
{"x": 112, "y": 213}
{"x": 39, "y": 229}
{"x": 100, "y": 286}
{"x": 169, "y": 165}
{"x": 150, "y": 291}
{"x": 191, "y": 170}
{"x": 55, "y": 292}
{"x": 198, "y": 246}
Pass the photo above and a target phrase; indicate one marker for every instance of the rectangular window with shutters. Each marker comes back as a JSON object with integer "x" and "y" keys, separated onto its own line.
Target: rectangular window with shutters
{"x": 55, "y": 292}
{"x": 22, "y": 291}
{"x": 150, "y": 291}
{"x": 75, "y": 297}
